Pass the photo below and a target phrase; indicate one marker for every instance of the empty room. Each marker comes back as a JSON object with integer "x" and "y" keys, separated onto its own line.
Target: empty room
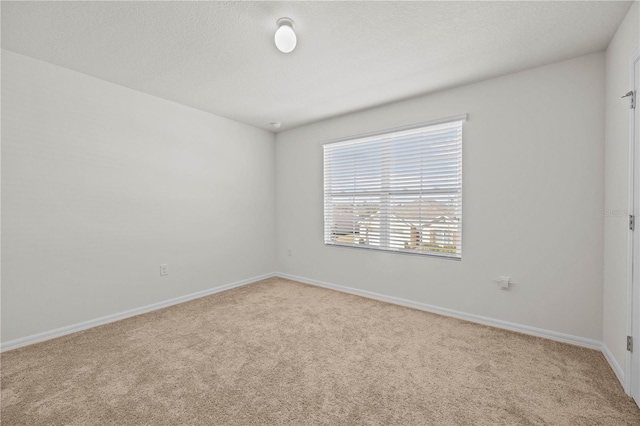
{"x": 320, "y": 213}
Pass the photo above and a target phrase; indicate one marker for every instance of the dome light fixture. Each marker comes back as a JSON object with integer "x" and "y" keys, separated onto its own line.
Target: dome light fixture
{"x": 285, "y": 37}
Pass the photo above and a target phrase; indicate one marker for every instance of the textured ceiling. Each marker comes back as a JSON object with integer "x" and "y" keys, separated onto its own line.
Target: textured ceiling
{"x": 220, "y": 57}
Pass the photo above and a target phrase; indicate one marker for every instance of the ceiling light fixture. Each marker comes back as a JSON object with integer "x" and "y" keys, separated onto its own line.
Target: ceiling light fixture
{"x": 285, "y": 38}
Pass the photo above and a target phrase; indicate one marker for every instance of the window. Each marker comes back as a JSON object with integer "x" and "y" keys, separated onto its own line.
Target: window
{"x": 399, "y": 190}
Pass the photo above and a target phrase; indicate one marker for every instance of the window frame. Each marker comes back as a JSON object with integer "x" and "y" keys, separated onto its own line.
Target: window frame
{"x": 442, "y": 255}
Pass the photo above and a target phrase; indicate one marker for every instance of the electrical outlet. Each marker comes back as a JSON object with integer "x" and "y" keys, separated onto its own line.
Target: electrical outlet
{"x": 164, "y": 269}
{"x": 289, "y": 252}
{"x": 503, "y": 282}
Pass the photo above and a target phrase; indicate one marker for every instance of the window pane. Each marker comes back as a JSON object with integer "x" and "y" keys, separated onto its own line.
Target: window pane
{"x": 398, "y": 191}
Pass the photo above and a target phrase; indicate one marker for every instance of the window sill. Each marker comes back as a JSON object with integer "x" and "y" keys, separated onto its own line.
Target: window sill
{"x": 398, "y": 251}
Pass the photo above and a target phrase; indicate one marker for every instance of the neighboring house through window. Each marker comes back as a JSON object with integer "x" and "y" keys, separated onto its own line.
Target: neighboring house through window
{"x": 398, "y": 190}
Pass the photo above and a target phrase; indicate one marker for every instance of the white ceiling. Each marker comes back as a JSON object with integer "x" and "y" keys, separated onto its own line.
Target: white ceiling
{"x": 220, "y": 57}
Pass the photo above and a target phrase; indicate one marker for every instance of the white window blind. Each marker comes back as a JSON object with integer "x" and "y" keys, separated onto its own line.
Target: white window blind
{"x": 399, "y": 190}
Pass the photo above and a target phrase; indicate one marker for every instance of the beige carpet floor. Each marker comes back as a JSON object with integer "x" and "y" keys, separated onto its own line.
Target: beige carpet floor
{"x": 284, "y": 353}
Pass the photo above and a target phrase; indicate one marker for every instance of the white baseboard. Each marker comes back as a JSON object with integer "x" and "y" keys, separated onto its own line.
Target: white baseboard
{"x": 553, "y": 335}
{"x": 35, "y": 338}
{"x": 539, "y": 332}
{"x": 613, "y": 363}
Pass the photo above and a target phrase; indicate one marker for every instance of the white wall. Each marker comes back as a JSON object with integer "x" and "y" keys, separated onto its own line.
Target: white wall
{"x": 101, "y": 184}
{"x": 624, "y": 44}
{"x": 533, "y": 201}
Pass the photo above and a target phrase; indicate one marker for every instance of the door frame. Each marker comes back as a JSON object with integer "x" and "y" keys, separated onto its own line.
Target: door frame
{"x": 632, "y": 387}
